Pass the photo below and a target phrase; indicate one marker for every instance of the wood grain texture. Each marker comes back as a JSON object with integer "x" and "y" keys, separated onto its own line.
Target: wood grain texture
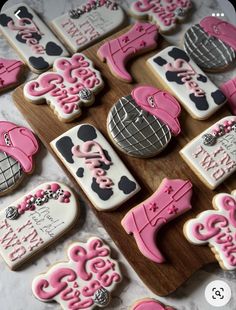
{"x": 182, "y": 258}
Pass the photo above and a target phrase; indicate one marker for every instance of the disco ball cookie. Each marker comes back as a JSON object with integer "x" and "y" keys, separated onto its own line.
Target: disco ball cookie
{"x": 166, "y": 14}
{"x": 18, "y": 145}
{"x": 85, "y": 281}
{"x": 217, "y": 228}
{"x": 142, "y": 124}
{"x": 211, "y": 43}
{"x": 73, "y": 84}
{"x": 149, "y": 304}
{"x": 10, "y": 72}
{"x": 34, "y": 221}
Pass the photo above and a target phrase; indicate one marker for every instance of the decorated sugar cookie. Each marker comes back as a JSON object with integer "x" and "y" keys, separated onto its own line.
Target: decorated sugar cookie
{"x": 198, "y": 95}
{"x": 217, "y": 228}
{"x": 142, "y": 124}
{"x": 229, "y": 90}
{"x": 33, "y": 221}
{"x": 141, "y": 38}
{"x": 171, "y": 199}
{"x": 10, "y": 70}
{"x": 85, "y": 281}
{"x": 73, "y": 84}
{"x": 18, "y": 145}
{"x": 165, "y": 13}
{"x": 211, "y": 43}
{"x": 149, "y": 304}
{"x": 95, "y": 166}
{"x": 89, "y": 23}
{"x": 212, "y": 154}
{"x": 34, "y": 41}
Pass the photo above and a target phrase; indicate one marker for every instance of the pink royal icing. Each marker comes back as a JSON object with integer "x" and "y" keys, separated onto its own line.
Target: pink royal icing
{"x": 18, "y": 142}
{"x": 150, "y": 304}
{"x": 229, "y": 90}
{"x": 218, "y": 229}
{"x": 9, "y": 72}
{"x": 220, "y": 29}
{"x": 170, "y": 200}
{"x": 84, "y": 282}
{"x": 159, "y": 103}
{"x": 140, "y": 38}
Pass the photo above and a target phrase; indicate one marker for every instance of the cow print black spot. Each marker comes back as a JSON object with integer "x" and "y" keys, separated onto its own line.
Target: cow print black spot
{"x": 202, "y": 78}
{"x": 38, "y": 63}
{"x": 64, "y": 146}
{"x": 4, "y": 20}
{"x": 126, "y": 186}
{"x": 177, "y": 53}
{"x": 80, "y": 172}
{"x": 200, "y": 102}
{"x": 218, "y": 97}
{"x": 173, "y": 77}
{"x": 160, "y": 61}
{"x": 87, "y": 133}
{"x": 103, "y": 166}
{"x": 23, "y": 12}
{"x": 103, "y": 193}
{"x": 52, "y": 49}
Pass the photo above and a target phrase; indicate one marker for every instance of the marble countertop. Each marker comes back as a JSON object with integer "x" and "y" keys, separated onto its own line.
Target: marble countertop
{"x": 15, "y": 287}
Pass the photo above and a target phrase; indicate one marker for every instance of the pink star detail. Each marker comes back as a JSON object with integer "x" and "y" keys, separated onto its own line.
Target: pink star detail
{"x": 153, "y": 206}
{"x": 142, "y": 43}
{"x": 139, "y": 28}
{"x": 1, "y": 65}
{"x": 125, "y": 39}
{"x": 1, "y": 82}
{"x": 169, "y": 189}
{"x": 172, "y": 210}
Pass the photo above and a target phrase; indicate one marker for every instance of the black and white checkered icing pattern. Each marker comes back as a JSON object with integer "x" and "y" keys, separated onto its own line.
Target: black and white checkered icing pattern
{"x": 207, "y": 51}
{"x": 10, "y": 172}
{"x": 144, "y": 137}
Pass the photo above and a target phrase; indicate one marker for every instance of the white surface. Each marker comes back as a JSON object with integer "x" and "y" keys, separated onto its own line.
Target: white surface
{"x": 15, "y": 287}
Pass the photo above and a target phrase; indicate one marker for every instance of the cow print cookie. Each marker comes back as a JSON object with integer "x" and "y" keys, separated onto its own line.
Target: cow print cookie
{"x": 34, "y": 41}
{"x": 166, "y": 14}
{"x": 212, "y": 154}
{"x": 217, "y": 228}
{"x": 35, "y": 220}
{"x": 10, "y": 71}
{"x": 18, "y": 145}
{"x": 142, "y": 124}
{"x": 211, "y": 43}
{"x": 73, "y": 84}
{"x": 95, "y": 166}
{"x": 89, "y": 23}
{"x": 85, "y": 281}
{"x": 199, "y": 96}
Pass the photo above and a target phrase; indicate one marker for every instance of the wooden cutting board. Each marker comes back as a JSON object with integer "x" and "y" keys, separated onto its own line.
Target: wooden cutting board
{"x": 182, "y": 258}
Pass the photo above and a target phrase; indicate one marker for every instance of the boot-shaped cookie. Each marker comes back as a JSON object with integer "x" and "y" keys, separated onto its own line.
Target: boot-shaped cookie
{"x": 171, "y": 199}
{"x": 138, "y": 40}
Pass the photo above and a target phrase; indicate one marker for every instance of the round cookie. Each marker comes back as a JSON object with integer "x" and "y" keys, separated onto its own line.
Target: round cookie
{"x": 211, "y": 43}
{"x": 149, "y": 304}
{"x": 142, "y": 124}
